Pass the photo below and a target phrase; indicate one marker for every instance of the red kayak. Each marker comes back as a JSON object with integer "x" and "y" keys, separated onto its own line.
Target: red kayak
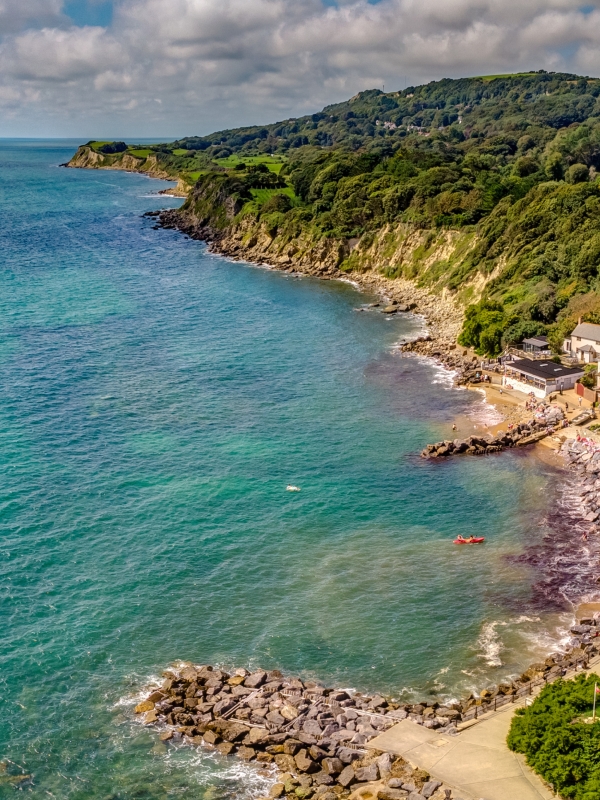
{"x": 470, "y": 540}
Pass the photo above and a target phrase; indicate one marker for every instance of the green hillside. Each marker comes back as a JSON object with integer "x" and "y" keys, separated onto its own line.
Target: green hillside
{"x": 508, "y": 161}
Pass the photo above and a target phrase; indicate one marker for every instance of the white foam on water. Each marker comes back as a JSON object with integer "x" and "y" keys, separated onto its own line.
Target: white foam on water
{"x": 352, "y": 283}
{"x": 490, "y": 644}
{"x": 139, "y": 695}
{"x": 484, "y": 413}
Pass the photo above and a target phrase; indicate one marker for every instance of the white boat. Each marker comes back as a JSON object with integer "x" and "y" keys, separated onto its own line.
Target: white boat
{"x": 290, "y": 488}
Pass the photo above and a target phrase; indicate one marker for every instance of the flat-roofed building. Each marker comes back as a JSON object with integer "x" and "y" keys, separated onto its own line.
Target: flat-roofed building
{"x": 540, "y": 377}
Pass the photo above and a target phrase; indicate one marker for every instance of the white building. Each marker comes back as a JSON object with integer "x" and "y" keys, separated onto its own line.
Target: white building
{"x": 584, "y": 343}
{"x": 540, "y": 377}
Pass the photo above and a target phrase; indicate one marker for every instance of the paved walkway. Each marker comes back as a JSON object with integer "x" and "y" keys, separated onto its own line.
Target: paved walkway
{"x": 476, "y": 763}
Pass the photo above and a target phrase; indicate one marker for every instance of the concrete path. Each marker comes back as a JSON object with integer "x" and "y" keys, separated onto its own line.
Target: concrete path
{"x": 476, "y": 763}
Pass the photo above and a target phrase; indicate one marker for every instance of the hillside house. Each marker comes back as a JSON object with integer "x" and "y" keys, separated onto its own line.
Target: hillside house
{"x": 584, "y": 343}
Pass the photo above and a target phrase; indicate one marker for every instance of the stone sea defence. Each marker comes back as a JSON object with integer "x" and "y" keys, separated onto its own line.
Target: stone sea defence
{"x": 316, "y": 740}
{"x": 583, "y": 456}
{"x": 547, "y": 422}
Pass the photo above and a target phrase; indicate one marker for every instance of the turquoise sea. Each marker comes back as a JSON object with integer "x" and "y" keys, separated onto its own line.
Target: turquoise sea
{"x": 155, "y": 402}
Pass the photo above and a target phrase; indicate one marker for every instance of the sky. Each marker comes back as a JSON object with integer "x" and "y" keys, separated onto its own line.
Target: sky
{"x": 172, "y": 68}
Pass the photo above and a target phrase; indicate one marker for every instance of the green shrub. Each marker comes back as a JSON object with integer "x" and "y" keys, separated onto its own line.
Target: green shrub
{"x": 112, "y": 147}
{"x": 483, "y": 327}
{"x": 277, "y": 203}
{"x": 577, "y": 173}
{"x": 556, "y": 741}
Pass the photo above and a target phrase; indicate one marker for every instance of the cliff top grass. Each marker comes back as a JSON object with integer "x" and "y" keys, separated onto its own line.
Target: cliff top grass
{"x": 273, "y": 163}
{"x": 139, "y": 152}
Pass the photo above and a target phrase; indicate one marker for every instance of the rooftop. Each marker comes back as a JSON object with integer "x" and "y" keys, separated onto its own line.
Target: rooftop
{"x": 587, "y": 330}
{"x": 587, "y": 348}
{"x": 537, "y": 341}
{"x": 547, "y": 370}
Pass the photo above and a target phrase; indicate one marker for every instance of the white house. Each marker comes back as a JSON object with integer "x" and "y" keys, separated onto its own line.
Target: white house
{"x": 584, "y": 342}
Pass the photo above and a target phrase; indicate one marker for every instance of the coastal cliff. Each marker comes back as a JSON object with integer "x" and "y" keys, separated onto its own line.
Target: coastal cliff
{"x": 484, "y": 192}
{"x": 87, "y": 157}
{"x": 396, "y": 263}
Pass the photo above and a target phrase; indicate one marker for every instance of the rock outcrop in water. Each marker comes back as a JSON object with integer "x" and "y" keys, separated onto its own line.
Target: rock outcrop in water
{"x": 545, "y": 423}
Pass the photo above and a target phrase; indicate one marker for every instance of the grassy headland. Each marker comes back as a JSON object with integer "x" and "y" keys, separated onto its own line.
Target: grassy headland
{"x": 484, "y": 189}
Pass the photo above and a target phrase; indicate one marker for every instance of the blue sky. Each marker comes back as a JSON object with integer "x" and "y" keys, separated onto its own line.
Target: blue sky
{"x": 88, "y": 12}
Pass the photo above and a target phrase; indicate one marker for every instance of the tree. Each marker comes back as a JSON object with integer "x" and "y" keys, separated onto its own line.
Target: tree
{"x": 577, "y": 173}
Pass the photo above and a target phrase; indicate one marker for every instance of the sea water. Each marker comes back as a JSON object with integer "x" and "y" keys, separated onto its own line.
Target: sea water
{"x": 155, "y": 402}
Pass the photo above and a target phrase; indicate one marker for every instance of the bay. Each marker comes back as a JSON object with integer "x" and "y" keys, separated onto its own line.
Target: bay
{"x": 155, "y": 402}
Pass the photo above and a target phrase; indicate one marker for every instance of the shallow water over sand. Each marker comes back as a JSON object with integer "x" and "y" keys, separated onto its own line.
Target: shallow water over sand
{"x": 156, "y": 401}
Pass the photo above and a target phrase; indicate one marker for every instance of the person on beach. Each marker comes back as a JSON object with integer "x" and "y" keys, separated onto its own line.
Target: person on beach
{"x": 453, "y": 427}
{"x": 580, "y": 402}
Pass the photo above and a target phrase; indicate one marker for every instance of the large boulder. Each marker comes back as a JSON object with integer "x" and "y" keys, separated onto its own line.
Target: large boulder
{"x": 285, "y": 763}
{"x": 332, "y": 766}
{"x": 233, "y": 732}
{"x": 275, "y": 718}
{"x": 430, "y": 788}
{"x": 223, "y": 706}
{"x": 312, "y": 727}
{"x": 246, "y": 753}
{"x": 292, "y": 746}
{"x": 304, "y": 762}
{"x": 256, "y": 680}
{"x": 367, "y": 774}
{"x": 347, "y": 777}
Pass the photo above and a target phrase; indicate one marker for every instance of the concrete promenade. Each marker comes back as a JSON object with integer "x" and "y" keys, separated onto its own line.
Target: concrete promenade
{"x": 476, "y": 763}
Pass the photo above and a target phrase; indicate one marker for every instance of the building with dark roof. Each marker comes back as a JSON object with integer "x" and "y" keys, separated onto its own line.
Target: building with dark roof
{"x": 537, "y": 346}
{"x": 540, "y": 377}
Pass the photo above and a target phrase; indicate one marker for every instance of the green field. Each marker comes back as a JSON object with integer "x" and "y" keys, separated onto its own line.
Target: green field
{"x": 179, "y": 152}
{"x": 262, "y": 195}
{"x": 96, "y": 145}
{"x": 141, "y": 153}
{"x": 503, "y": 75}
{"x": 192, "y": 177}
{"x": 274, "y": 163}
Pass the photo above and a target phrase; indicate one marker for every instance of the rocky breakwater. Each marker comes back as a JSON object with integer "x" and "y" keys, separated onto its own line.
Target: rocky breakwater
{"x": 547, "y": 421}
{"x": 314, "y": 737}
{"x": 583, "y": 457}
{"x": 315, "y": 740}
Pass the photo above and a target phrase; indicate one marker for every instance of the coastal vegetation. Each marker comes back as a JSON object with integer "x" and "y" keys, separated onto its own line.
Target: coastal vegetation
{"x": 489, "y": 184}
{"x": 557, "y": 741}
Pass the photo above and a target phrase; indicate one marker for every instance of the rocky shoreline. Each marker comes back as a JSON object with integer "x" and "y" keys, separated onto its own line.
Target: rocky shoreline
{"x": 398, "y": 295}
{"x": 314, "y": 740}
{"x": 548, "y": 421}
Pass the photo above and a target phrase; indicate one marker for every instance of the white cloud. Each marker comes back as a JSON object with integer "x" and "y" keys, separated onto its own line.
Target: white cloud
{"x": 16, "y": 14}
{"x": 216, "y": 63}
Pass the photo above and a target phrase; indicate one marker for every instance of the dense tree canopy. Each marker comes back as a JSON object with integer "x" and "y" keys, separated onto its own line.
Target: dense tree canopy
{"x": 556, "y": 740}
{"x": 513, "y": 159}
